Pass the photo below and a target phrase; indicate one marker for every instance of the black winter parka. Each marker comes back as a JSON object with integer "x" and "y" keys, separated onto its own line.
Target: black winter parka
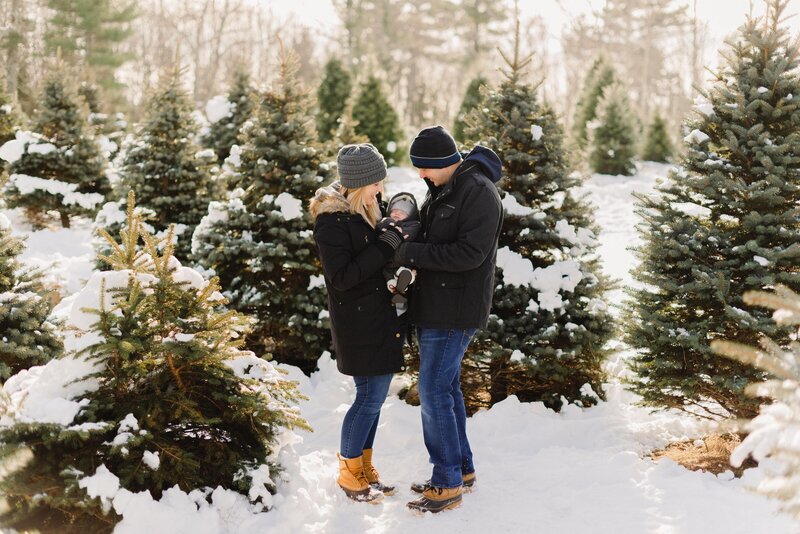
{"x": 455, "y": 259}
{"x": 367, "y": 334}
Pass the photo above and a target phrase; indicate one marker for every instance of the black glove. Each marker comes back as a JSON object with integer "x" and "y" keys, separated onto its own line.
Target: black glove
{"x": 390, "y": 236}
{"x": 385, "y": 223}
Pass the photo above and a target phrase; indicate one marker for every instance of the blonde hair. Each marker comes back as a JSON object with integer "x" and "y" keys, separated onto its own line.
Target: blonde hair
{"x": 358, "y": 204}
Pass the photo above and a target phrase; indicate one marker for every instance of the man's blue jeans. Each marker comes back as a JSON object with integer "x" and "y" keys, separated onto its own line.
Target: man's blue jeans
{"x": 361, "y": 420}
{"x": 444, "y": 417}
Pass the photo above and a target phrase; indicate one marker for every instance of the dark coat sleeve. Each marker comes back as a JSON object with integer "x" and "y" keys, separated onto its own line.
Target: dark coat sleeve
{"x": 341, "y": 266}
{"x": 480, "y": 216}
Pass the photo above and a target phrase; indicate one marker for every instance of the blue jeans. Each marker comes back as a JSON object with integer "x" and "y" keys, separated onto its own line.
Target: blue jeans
{"x": 361, "y": 420}
{"x": 444, "y": 417}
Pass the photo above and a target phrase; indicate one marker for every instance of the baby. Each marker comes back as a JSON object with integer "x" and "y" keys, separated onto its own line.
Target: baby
{"x": 403, "y": 210}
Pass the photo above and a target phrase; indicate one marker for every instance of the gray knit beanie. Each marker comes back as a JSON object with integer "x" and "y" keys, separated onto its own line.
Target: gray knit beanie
{"x": 360, "y": 165}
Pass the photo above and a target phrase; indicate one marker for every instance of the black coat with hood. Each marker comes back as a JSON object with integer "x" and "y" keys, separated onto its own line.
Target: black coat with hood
{"x": 455, "y": 259}
{"x": 367, "y": 334}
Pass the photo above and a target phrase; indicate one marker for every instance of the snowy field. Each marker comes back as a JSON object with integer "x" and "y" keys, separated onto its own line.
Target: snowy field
{"x": 578, "y": 471}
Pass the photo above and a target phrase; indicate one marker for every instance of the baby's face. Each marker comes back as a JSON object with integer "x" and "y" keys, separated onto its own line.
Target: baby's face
{"x": 398, "y": 215}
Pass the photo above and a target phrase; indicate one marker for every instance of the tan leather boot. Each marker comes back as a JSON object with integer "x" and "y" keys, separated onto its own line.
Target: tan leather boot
{"x": 354, "y": 483}
{"x": 373, "y": 477}
{"x": 437, "y": 499}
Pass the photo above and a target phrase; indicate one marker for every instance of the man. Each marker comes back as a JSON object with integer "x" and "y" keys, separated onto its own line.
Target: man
{"x": 460, "y": 224}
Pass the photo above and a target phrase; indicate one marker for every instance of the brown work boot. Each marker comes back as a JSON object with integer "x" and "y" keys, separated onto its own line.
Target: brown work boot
{"x": 468, "y": 481}
{"x": 435, "y": 500}
{"x": 373, "y": 477}
{"x": 354, "y": 483}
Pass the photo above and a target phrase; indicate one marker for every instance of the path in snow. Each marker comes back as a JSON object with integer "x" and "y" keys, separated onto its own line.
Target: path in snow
{"x": 612, "y": 197}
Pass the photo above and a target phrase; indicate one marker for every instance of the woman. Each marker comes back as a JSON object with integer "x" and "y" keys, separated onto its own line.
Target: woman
{"x": 354, "y": 245}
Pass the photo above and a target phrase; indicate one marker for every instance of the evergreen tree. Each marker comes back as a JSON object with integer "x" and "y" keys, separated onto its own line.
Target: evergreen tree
{"x": 728, "y": 218}
{"x": 549, "y": 322}
{"x": 658, "y": 146}
{"x": 61, "y": 168}
{"x": 600, "y": 75}
{"x": 471, "y": 100}
{"x": 479, "y": 23}
{"x": 333, "y": 95}
{"x": 613, "y": 141}
{"x": 109, "y": 130}
{"x": 378, "y": 120}
{"x": 9, "y": 123}
{"x": 88, "y": 92}
{"x": 259, "y": 240}
{"x": 89, "y": 32}
{"x": 346, "y": 132}
{"x": 168, "y": 398}
{"x": 223, "y": 131}
{"x": 772, "y": 432}
{"x": 26, "y": 336}
{"x": 112, "y": 219}
{"x": 9, "y": 118}
{"x": 166, "y": 168}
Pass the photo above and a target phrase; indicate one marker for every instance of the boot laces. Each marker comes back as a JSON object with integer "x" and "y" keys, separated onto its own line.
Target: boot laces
{"x": 434, "y": 489}
{"x": 371, "y": 473}
{"x": 362, "y": 477}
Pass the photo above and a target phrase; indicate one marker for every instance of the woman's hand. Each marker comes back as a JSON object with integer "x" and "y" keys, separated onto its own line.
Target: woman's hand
{"x": 390, "y": 233}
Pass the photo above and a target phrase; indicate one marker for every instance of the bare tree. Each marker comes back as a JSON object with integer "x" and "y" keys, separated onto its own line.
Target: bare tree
{"x": 22, "y": 27}
{"x": 211, "y": 39}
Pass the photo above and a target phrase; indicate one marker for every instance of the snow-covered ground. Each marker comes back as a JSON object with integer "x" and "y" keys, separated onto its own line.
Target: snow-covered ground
{"x": 581, "y": 470}
{"x": 612, "y": 197}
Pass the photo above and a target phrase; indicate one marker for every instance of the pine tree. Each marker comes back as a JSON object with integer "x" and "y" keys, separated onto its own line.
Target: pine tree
{"x": 223, "y": 131}
{"x": 549, "y": 321}
{"x": 112, "y": 219}
{"x": 346, "y": 132}
{"x": 89, "y": 32}
{"x": 61, "y": 168}
{"x": 166, "y": 168}
{"x": 378, "y": 120}
{"x": 773, "y": 432}
{"x": 479, "y": 23}
{"x": 726, "y": 219}
{"x": 333, "y": 95}
{"x": 88, "y": 92}
{"x": 472, "y": 98}
{"x": 27, "y": 338}
{"x": 600, "y": 75}
{"x": 9, "y": 118}
{"x": 658, "y": 146}
{"x": 168, "y": 398}
{"x": 259, "y": 240}
{"x": 9, "y": 124}
{"x": 109, "y": 130}
{"x": 612, "y": 138}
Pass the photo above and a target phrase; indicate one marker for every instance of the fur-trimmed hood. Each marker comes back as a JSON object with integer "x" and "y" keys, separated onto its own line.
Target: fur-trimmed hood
{"x": 328, "y": 199}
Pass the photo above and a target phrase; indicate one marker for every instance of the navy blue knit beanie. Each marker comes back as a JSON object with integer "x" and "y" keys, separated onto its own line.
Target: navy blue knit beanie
{"x": 433, "y": 148}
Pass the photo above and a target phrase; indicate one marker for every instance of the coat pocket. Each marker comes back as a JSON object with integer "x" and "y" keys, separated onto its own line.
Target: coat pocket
{"x": 443, "y": 227}
{"x": 364, "y": 320}
{"x": 440, "y": 297}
